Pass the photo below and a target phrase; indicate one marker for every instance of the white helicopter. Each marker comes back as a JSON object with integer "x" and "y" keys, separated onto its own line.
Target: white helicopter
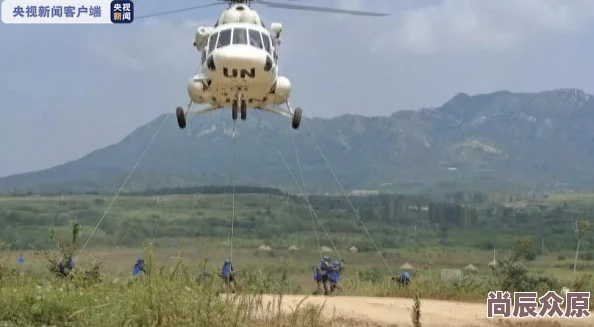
{"x": 239, "y": 64}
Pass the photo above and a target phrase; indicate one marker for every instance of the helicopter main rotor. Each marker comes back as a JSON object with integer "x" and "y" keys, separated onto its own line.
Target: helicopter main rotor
{"x": 272, "y": 4}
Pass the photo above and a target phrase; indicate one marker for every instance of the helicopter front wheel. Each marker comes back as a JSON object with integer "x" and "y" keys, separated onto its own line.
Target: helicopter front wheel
{"x": 181, "y": 117}
{"x": 234, "y": 110}
{"x": 296, "y": 118}
{"x": 243, "y": 110}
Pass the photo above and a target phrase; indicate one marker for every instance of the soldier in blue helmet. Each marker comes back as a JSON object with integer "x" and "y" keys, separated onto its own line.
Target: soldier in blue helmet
{"x": 66, "y": 266}
{"x": 227, "y": 273}
{"x": 403, "y": 279}
{"x": 138, "y": 268}
{"x": 335, "y": 271}
{"x": 322, "y": 274}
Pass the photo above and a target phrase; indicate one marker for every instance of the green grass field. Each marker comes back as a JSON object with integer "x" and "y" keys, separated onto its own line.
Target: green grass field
{"x": 185, "y": 231}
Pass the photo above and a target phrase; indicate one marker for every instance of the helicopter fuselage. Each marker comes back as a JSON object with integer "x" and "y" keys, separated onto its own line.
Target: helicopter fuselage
{"x": 238, "y": 59}
{"x": 239, "y": 66}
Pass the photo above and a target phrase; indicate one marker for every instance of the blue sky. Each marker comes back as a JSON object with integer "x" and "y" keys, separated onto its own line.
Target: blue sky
{"x": 68, "y": 90}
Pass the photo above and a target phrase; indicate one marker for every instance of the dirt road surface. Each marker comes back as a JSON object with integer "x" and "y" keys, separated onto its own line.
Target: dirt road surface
{"x": 397, "y": 311}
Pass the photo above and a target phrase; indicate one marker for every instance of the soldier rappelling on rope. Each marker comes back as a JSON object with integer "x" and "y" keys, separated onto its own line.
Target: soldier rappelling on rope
{"x": 66, "y": 266}
{"x": 138, "y": 269}
{"x": 403, "y": 279}
{"x": 335, "y": 271}
{"x": 228, "y": 276}
{"x": 322, "y": 274}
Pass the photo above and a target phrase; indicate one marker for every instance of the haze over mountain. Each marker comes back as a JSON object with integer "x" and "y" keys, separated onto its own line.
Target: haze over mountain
{"x": 501, "y": 140}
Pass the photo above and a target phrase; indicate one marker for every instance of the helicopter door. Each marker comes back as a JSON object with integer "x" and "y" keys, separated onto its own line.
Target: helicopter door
{"x": 268, "y": 46}
{"x": 209, "y": 46}
{"x": 212, "y": 40}
{"x": 266, "y": 39}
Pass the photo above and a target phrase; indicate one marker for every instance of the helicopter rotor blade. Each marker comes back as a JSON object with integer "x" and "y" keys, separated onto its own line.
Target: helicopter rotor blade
{"x": 319, "y": 9}
{"x": 179, "y": 10}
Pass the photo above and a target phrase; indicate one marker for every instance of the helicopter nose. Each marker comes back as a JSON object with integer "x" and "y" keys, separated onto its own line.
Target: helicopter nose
{"x": 240, "y": 57}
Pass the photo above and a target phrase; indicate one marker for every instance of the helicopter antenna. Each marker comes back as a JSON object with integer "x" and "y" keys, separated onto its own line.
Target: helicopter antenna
{"x": 270, "y": 4}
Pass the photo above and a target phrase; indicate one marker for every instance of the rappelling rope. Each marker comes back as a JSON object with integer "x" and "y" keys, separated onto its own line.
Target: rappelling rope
{"x": 349, "y": 201}
{"x": 307, "y": 195}
{"x": 307, "y": 200}
{"x": 226, "y": 187}
{"x": 303, "y": 193}
{"x": 233, "y": 195}
{"x": 123, "y": 184}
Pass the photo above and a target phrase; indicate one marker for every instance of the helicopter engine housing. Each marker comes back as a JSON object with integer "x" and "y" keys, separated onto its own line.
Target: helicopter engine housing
{"x": 276, "y": 28}
{"x": 281, "y": 90}
{"x": 202, "y": 34}
{"x": 197, "y": 88}
{"x": 239, "y": 13}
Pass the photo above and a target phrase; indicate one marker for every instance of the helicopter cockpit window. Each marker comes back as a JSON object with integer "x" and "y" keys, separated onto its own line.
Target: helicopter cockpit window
{"x": 266, "y": 39}
{"x": 212, "y": 40}
{"x": 256, "y": 39}
{"x": 240, "y": 36}
{"x": 224, "y": 38}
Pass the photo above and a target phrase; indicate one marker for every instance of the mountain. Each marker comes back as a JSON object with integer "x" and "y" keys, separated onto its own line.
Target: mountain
{"x": 501, "y": 140}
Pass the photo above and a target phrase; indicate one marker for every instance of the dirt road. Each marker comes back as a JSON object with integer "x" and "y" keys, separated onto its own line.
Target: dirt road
{"x": 397, "y": 311}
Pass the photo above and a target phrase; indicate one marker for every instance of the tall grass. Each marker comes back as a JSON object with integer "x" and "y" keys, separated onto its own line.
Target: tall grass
{"x": 163, "y": 297}
{"x": 176, "y": 295}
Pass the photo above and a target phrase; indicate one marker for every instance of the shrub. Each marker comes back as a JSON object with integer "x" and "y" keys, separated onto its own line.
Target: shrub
{"x": 66, "y": 251}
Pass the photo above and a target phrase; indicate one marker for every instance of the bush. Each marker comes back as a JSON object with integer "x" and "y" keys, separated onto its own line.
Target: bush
{"x": 512, "y": 275}
{"x": 65, "y": 256}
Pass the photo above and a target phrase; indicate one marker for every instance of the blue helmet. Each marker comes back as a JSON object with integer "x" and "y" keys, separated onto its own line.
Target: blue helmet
{"x": 326, "y": 258}
{"x": 227, "y": 260}
{"x": 337, "y": 263}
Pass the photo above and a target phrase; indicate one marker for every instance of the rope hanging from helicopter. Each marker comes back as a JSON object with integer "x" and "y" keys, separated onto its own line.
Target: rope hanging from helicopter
{"x": 342, "y": 190}
{"x": 311, "y": 213}
{"x": 304, "y": 194}
{"x": 117, "y": 194}
{"x": 344, "y": 193}
{"x": 232, "y": 194}
{"x": 302, "y": 189}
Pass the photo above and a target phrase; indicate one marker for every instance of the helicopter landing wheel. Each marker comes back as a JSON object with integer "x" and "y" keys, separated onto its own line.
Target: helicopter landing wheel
{"x": 243, "y": 110}
{"x": 234, "y": 110}
{"x": 296, "y": 118}
{"x": 181, "y": 117}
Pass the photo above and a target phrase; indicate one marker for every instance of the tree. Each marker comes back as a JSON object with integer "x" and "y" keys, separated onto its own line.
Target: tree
{"x": 580, "y": 227}
{"x": 521, "y": 249}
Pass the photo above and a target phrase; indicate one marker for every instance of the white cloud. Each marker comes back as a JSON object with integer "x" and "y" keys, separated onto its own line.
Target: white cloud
{"x": 463, "y": 26}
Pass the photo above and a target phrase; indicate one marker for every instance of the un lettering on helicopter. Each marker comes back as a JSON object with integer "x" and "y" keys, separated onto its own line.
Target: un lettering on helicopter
{"x": 239, "y": 62}
{"x": 245, "y": 73}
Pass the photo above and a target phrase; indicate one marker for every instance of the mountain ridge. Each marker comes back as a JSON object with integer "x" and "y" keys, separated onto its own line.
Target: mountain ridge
{"x": 500, "y": 140}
